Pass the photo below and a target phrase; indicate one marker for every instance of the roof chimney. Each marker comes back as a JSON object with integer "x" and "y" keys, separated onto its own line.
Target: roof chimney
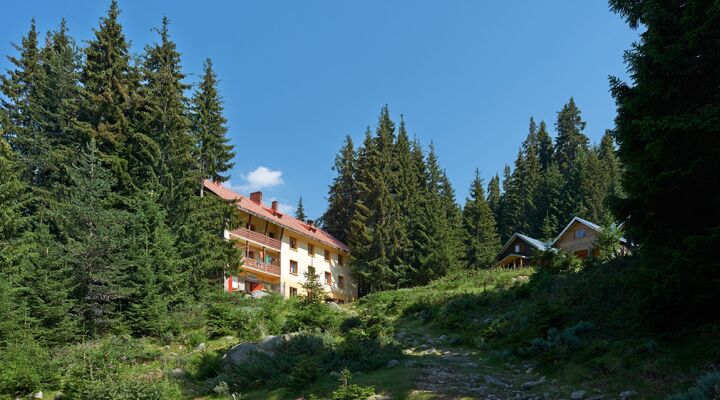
{"x": 256, "y": 197}
{"x": 274, "y": 205}
{"x": 310, "y": 222}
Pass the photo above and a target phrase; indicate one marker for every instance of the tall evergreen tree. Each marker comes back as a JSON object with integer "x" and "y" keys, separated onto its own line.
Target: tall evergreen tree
{"x": 209, "y": 126}
{"x": 493, "y": 196}
{"x": 667, "y": 130}
{"x": 341, "y": 195}
{"x": 570, "y": 139}
{"x": 481, "y": 239}
{"x": 545, "y": 150}
{"x": 300, "y": 210}
{"x": 111, "y": 101}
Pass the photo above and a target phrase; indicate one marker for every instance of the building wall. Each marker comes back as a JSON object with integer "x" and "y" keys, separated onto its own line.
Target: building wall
{"x": 305, "y": 260}
{"x": 581, "y": 246}
{"x": 525, "y": 249}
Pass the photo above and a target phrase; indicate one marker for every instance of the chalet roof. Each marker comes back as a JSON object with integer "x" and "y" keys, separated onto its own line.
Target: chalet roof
{"x": 591, "y": 225}
{"x": 276, "y": 217}
{"x": 538, "y": 244}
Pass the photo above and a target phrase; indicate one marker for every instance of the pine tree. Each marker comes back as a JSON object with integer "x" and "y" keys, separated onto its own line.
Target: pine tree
{"x": 341, "y": 195}
{"x": 529, "y": 173}
{"x": 493, "y": 196}
{"x": 550, "y": 202}
{"x": 300, "y": 210}
{"x": 481, "y": 239}
{"x": 92, "y": 231}
{"x": 667, "y": 133}
{"x": 570, "y": 140}
{"x": 19, "y": 88}
{"x": 111, "y": 101}
{"x": 545, "y": 150}
{"x": 209, "y": 126}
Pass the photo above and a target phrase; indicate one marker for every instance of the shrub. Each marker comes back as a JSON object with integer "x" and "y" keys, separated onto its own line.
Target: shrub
{"x": 348, "y": 391}
{"x": 707, "y": 387}
{"x": 314, "y": 317}
{"x": 23, "y": 367}
{"x": 562, "y": 341}
{"x": 303, "y": 374}
{"x": 127, "y": 388}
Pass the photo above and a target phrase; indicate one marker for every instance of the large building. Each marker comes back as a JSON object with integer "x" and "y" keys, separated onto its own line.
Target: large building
{"x": 279, "y": 249}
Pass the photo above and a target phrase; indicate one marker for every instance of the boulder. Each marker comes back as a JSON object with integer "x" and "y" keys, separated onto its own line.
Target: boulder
{"x": 532, "y": 384}
{"x": 240, "y": 353}
{"x": 38, "y": 395}
{"x": 627, "y": 394}
{"x": 178, "y": 373}
{"x": 577, "y": 395}
{"x": 201, "y": 347}
{"x": 443, "y": 338}
{"x": 495, "y": 381}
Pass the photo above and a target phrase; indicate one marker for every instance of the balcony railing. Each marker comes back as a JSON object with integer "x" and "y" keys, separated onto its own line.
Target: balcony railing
{"x": 269, "y": 268}
{"x": 257, "y": 237}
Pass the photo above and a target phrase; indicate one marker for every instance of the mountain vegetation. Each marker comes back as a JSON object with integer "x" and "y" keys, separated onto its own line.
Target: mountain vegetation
{"x": 112, "y": 254}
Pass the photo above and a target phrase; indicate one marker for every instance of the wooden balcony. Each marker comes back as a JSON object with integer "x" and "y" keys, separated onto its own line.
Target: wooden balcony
{"x": 250, "y": 264}
{"x": 257, "y": 237}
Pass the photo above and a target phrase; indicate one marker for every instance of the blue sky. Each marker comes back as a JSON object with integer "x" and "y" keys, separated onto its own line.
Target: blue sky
{"x": 297, "y": 76}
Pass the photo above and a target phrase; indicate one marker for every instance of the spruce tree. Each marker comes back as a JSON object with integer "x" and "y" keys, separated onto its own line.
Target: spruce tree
{"x": 493, "y": 196}
{"x": 111, "y": 99}
{"x": 300, "y": 210}
{"x": 530, "y": 177}
{"x": 545, "y": 150}
{"x": 481, "y": 239}
{"x": 570, "y": 139}
{"x": 209, "y": 127}
{"x": 341, "y": 195}
{"x": 667, "y": 132}
{"x": 19, "y": 89}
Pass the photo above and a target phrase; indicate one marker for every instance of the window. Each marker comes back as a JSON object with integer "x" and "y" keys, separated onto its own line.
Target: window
{"x": 293, "y": 267}
{"x": 311, "y": 250}
{"x": 580, "y": 233}
{"x": 293, "y": 243}
{"x": 341, "y": 260}
{"x": 271, "y": 234}
{"x": 328, "y": 278}
{"x": 251, "y": 227}
{"x": 327, "y": 255}
{"x": 341, "y": 281}
{"x": 293, "y": 292}
{"x": 251, "y": 254}
{"x": 311, "y": 270}
{"x": 517, "y": 248}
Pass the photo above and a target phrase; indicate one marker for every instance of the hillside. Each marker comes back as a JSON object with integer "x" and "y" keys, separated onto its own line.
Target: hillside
{"x": 493, "y": 334}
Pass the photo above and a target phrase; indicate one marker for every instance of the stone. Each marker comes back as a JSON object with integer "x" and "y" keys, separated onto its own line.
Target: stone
{"x": 577, "y": 395}
{"x": 442, "y": 338}
{"x": 240, "y": 353}
{"x": 393, "y": 363}
{"x": 596, "y": 397}
{"x": 178, "y": 373}
{"x": 201, "y": 347}
{"x": 59, "y": 395}
{"x": 410, "y": 363}
{"x": 627, "y": 394}
{"x": 495, "y": 381}
{"x": 379, "y": 397}
{"x": 400, "y": 335}
{"x": 469, "y": 365}
{"x": 532, "y": 384}
{"x": 38, "y": 395}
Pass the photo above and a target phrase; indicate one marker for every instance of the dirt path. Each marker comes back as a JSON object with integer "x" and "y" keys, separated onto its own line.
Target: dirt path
{"x": 447, "y": 372}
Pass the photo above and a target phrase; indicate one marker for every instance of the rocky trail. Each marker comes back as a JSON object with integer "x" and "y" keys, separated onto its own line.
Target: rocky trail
{"x": 447, "y": 372}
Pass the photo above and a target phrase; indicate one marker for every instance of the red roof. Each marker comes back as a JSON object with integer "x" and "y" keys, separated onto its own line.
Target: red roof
{"x": 276, "y": 217}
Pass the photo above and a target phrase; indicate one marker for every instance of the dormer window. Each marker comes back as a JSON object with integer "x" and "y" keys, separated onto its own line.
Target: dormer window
{"x": 517, "y": 248}
{"x": 580, "y": 233}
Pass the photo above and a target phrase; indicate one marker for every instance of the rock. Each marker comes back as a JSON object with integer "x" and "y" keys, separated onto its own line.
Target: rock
{"x": 577, "y": 395}
{"x": 466, "y": 354}
{"x": 627, "y": 394}
{"x": 178, "y": 373}
{"x": 469, "y": 365}
{"x": 240, "y": 353}
{"x": 59, "y": 395}
{"x": 597, "y": 397}
{"x": 442, "y": 338}
{"x": 229, "y": 338}
{"x": 38, "y": 395}
{"x": 335, "y": 374}
{"x": 529, "y": 371}
{"x": 393, "y": 363}
{"x": 400, "y": 335}
{"x": 532, "y": 384}
{"x": 379, "y": 397}
{"x": 410, "y": 364}
{"x": 201, "y": 347}
{"x": 495, "y": 381}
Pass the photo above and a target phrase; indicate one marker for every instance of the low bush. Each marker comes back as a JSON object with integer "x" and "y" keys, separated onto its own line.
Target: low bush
{"x": 706, "y": 387}
{"x": 350, "y": 391}
{"x": 23, "y": 367}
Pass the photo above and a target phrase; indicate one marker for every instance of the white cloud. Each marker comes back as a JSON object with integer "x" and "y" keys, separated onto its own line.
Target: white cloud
{"x": 258, "y": 179}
